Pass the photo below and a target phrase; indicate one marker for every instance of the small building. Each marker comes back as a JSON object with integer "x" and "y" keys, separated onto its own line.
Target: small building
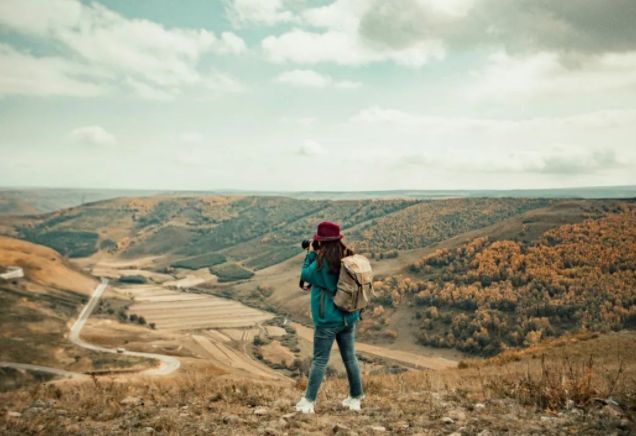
{"x": 11, "y": 272}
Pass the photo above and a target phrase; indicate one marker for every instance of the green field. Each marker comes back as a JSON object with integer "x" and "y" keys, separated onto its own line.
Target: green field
{"x": 229, "y": 272}
{"x": 272, "y": 257}
{"x": 204, "y": 261}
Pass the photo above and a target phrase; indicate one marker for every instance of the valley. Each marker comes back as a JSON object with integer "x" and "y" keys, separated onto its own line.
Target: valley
{"x": 168, "y": 309}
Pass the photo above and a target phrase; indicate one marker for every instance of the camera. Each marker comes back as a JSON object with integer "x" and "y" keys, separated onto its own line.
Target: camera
{"x": 307, "y": 242}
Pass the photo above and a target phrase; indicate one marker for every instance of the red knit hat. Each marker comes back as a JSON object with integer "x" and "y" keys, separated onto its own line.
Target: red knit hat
{"x": 327, "y": 232}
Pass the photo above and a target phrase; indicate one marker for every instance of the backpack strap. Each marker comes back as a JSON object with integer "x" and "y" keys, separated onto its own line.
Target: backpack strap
{"x": 322, "y": 303}
{"x": 322, "y": 306}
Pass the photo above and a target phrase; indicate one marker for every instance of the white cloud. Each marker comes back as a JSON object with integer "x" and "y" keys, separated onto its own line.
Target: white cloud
{"x": 24, "y": 74}
{"x": 608, "y": 119}
{"x": 143, "y": 51}
{"x": 341, "y": 42}
{"x": 220, "y": 82}
{"x": 559, "y": 146}
{"x": 149, "y": 92}
{"x": 564, "y": 161}
{"x": 191, "y": 138}
{"x": 190, "y": 158}
{"x": 313, "y": 79}
{"x": 268, "y": 12}
{"x": 547, "y": 74}
{"x": 345, "y": 48}
{"x": 311, "y": 148}
{"x": 92, "y": 135}
{"x": 303, "y": 121}
{"x": 232, "y": 44}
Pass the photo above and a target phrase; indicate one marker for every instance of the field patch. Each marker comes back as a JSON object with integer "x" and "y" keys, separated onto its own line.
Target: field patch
{"x": 275, "y": 352}
{"x": 241, "y": 335}
{"x": 232, "y": 358}
{"x": 229, "y": 272}
{"x": 272, "y": 257}
{"x": 197, "y": 262}
{"x": 217, "y": 336}
{"x": 275, "y": 331}
{"x": 182, "y": 310}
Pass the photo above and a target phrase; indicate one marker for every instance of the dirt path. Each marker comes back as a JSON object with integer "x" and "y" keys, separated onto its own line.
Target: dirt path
{"x": 415, "y": 360}
{"x": 168, "y": 363}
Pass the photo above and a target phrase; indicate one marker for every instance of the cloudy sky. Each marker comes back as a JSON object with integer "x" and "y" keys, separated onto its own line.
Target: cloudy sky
{"x": 317, "y": 95}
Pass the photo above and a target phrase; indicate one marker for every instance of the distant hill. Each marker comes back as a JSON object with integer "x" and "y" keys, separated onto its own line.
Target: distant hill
{"x": 255, "y": 232}
{"x": 31, "y": 201}
{"x": 27, "y": 201}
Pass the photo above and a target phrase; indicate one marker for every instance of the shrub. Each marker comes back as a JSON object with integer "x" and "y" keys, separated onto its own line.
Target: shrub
{"x": 229, "y": 272}
{"x": 138, "y": 280}
{"x": 204, "y": 261}
{"x": 71, "y": 244}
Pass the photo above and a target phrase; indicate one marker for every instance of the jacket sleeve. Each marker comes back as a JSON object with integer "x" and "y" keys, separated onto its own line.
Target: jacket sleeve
{"x": 309, "y": 273}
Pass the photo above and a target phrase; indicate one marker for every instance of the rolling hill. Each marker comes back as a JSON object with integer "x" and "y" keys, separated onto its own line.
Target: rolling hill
{"x": 399, "y": 281}
{"x": 28, "y": 201}
{"x": 254, "y": 232}
{"x": 37, "y": 309}
{"x": 490, "y": 294}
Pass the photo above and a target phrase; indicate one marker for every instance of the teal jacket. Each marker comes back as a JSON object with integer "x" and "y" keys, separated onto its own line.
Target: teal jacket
{"x": 323, "y": 279}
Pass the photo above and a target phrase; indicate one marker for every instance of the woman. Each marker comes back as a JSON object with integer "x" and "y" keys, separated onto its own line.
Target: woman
{"x": 321, "y": 270}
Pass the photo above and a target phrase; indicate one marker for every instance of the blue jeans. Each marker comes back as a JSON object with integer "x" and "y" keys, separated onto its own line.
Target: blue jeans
{"x": 323, "y": 341}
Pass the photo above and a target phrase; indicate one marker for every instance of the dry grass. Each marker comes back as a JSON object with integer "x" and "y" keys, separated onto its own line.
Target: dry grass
{"x": 547, "y": 395}
{"x": 45, "y": 266}
{"x": 571, "y": 371}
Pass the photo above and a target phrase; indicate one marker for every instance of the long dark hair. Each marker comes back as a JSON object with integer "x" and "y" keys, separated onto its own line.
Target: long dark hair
{"x": 333, "y": 251}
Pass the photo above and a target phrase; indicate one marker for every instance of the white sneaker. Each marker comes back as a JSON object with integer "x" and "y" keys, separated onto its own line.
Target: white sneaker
{"x": 305, "y": 406}
{"x": 352, "y": 403}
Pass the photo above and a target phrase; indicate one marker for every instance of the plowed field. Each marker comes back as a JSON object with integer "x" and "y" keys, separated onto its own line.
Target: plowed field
{"x": 181, "y": 310}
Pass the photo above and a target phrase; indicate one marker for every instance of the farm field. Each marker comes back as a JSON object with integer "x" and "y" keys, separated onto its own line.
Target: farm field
{"x": 180, "y": 310}
{"x": 241, "y": 335}
{"x": 217, "y": 336}
{"x": 275, "y": 331}
{"x": 234, "y": 359}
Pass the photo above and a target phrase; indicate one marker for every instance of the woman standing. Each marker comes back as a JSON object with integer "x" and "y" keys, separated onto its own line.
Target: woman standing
{"x": 321, "y": 270}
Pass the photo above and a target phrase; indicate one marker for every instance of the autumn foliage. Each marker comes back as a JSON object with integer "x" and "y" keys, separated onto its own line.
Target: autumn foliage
{"x": 487, "y": 296}
{"x": 428, "y": 222}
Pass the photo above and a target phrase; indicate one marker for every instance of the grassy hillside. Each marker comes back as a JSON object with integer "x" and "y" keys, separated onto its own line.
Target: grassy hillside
{"x": 550, "y": 391}
{"x": 256, "y": 232}
{"x": 434, "y": 221}
{"x": 489, "y": 295}
{"x": 36, "y": 311}
{"x": 16, "y": 206}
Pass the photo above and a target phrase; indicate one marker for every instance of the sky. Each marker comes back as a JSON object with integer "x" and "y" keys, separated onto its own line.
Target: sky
{"x": 309, "y": 95}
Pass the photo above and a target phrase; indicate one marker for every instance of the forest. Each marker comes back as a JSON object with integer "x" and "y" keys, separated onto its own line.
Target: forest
{"x": 433, "y": 221}
{"x": 487, "y": 296}
{"x": 257, "y": 231}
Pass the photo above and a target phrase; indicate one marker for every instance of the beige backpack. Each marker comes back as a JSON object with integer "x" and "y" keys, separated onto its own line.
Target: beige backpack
{"x": 355, "y": 285}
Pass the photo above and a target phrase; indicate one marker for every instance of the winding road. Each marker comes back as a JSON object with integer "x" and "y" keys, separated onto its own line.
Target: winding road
{"x": 168, "y": 364}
